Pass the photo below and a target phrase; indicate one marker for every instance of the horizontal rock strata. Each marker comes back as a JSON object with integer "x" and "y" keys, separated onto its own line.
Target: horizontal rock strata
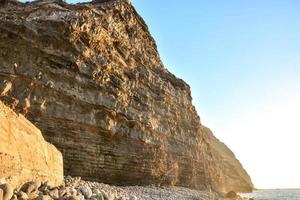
{"x": 24, "y": 154}
{"x": 90, "y": 77}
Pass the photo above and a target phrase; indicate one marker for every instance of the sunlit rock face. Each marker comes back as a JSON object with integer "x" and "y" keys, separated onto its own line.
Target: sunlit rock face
{"x": 90, "y": 77}
{"x": 24, "y": 154}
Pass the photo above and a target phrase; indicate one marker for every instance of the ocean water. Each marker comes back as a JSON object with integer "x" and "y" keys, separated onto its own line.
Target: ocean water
{"x": 292, "y": 194}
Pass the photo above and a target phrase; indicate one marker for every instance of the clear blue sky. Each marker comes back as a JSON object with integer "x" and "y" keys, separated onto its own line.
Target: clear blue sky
{"x": 242, "y": 61}
{"x": 228, "y": 51}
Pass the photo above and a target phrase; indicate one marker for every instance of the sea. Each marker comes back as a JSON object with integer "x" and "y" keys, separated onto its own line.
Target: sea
{"x": 278, "y": 194}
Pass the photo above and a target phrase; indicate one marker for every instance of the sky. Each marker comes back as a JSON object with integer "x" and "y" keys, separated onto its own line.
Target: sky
{"x": 242, "y": 61}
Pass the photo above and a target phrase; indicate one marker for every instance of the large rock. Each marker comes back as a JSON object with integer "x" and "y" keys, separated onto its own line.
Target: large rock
{"x": 24, "y": 154}
{"x": 90, "y": 77}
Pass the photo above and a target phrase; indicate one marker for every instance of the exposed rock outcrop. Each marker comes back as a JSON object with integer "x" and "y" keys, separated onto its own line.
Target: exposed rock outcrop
{"x": 90, "y": 77}
{"x": 24, "y": 154}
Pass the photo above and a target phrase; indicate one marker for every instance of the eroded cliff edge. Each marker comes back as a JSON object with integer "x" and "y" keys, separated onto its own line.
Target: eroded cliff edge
{"x": 24, "y": 154}
{"x": 90, "y": 77}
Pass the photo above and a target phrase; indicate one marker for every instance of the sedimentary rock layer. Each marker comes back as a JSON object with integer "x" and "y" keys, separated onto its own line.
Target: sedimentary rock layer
{"x": 90, "y": 77}
{"x": 24, "y": 154}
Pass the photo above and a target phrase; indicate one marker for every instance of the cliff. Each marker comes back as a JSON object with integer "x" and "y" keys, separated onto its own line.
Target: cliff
{"x": 90, "y": 77}
{"x": 24, "y": 154}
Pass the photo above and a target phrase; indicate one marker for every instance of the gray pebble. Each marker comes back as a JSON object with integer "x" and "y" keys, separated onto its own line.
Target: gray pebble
{"x": 105, "y": 196}
{"x": 97, "y": 192}
{"x": 99, "y": 197}
{"x": 54, "y": 193}
{"x": 85, "y": 191}
{"x": 33, "y": 195}
{"x": 81, "y": 197}
{"x": 73, "y": 192}
{"x": 132, "y": 197}
{"x": 29, "y": 187}
{"x": 108, "y": 196}
{"x": 44, "y": 197}
{"x": 73, "y": 197}
{"x": 22, "y": 196}
{"x": 62, "y": 192}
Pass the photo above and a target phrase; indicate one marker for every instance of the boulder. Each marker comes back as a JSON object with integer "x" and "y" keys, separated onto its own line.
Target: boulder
{"x": 54, "y": 193}
{"x": 22, "y": 195}
{"x": 85, "y": 191}
{"x": 24, "y": 154}
{"x": 29, "y": 187}
{"x": 231, "y": 195}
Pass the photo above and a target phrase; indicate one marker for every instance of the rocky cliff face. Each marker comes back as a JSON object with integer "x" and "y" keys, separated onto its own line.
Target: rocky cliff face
{"x": 24, "y": 154}
{"x": 90, "y": 77}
